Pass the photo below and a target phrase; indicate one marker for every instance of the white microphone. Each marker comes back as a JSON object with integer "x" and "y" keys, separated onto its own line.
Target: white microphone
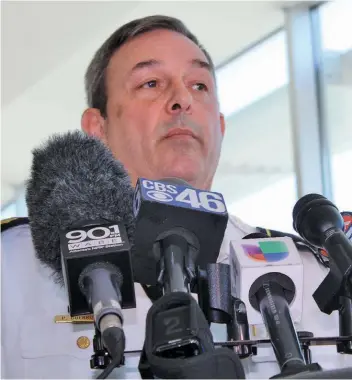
{"x": 267, "y": 275}
{"x": 250, "y": 259}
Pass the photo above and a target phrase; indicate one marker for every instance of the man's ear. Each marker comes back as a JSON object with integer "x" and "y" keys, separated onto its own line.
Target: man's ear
{"x": 93, "y": 123}
{"x": 222, "y": 123}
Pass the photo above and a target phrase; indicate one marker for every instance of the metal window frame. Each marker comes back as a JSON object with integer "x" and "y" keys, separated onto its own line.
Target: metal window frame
{"x": 309, "y": 130}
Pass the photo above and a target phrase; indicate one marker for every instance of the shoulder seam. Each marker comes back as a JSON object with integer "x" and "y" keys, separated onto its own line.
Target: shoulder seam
{"x": 13, "y": 222}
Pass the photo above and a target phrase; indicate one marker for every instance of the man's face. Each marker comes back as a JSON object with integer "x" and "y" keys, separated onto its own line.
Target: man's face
{"x": 163, "y": 118}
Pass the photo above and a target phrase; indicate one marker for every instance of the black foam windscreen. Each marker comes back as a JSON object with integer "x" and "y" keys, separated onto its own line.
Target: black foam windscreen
{"x": 74, "y": 178}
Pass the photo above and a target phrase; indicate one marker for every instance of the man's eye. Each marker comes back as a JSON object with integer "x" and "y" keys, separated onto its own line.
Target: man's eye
{"x": 200, "y": 87}
{"x": 150, "y": 84}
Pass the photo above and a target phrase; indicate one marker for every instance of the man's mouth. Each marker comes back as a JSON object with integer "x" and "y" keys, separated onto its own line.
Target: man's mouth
{"x": 180, "y": 132}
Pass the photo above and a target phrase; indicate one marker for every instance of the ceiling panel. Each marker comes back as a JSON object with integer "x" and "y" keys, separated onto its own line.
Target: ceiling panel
{"x": 39, "y": 36}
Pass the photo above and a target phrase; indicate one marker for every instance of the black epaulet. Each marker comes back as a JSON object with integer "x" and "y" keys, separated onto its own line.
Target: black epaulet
{"x": 12, "y": 222}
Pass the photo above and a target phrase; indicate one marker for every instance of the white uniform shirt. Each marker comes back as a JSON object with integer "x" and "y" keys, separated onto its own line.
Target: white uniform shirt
{"x": 33, "y": 346}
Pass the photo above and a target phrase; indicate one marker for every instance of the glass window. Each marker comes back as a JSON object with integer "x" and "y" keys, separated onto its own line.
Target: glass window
{"x": 336, "y": 26}
{"x": 336, "y": 42}
{"x": 253, "y": 75}
{"x": 256, "y": 171}
{"x": 17, "y": 208}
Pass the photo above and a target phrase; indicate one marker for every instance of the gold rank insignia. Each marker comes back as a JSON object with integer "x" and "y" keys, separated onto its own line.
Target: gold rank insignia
{"x": 88, "y": 318}
{"x": 83, "y": 342}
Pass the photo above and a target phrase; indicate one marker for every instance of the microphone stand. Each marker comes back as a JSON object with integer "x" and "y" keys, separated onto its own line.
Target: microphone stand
{"x": 219, "y": 306}
{"x": 101, "y": 359}
{"x": 178, "y": 341}
{"x": 345, "y": 324}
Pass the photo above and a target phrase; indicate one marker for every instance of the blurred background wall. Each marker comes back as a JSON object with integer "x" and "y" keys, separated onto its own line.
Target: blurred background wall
{"x": 284, "y": 70}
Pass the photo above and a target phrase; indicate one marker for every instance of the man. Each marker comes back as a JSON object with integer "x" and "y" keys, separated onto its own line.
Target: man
{"x": 152, "y": 100}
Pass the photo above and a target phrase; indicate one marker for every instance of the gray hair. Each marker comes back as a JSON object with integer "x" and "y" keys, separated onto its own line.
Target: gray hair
{"x": 95, "y": 76}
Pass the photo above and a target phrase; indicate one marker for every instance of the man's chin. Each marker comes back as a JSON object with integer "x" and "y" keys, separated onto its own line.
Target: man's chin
{"x": 189, "y": 173}
{"x": 182, "y": 160}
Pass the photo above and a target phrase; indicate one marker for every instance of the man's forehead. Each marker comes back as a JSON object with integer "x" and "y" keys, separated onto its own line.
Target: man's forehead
{"x": 150, "y": 63}
{"x": 158, "y": 47}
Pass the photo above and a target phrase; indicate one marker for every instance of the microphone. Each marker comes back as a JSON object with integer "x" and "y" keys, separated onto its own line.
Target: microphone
{"x": 173, "y": 221}
{"x": 257, "y": 255}
{"x": 79, "y": 201}
{"x": 347, "y": 218}
{"x": 178, "y": 228}
{"x": 267, "y": 275}
{"x": 345, "y": 310}
{"x": 319, "y": 221}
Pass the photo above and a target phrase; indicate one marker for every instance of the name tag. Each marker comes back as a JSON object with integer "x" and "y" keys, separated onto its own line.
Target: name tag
{"x": 78, "y": 319}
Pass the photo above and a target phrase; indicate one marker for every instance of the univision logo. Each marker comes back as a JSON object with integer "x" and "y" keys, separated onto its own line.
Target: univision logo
{"x": 269, "y": 251}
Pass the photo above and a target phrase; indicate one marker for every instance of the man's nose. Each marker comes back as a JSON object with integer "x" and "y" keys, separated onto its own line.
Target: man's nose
{"x": 180, "y": 100}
